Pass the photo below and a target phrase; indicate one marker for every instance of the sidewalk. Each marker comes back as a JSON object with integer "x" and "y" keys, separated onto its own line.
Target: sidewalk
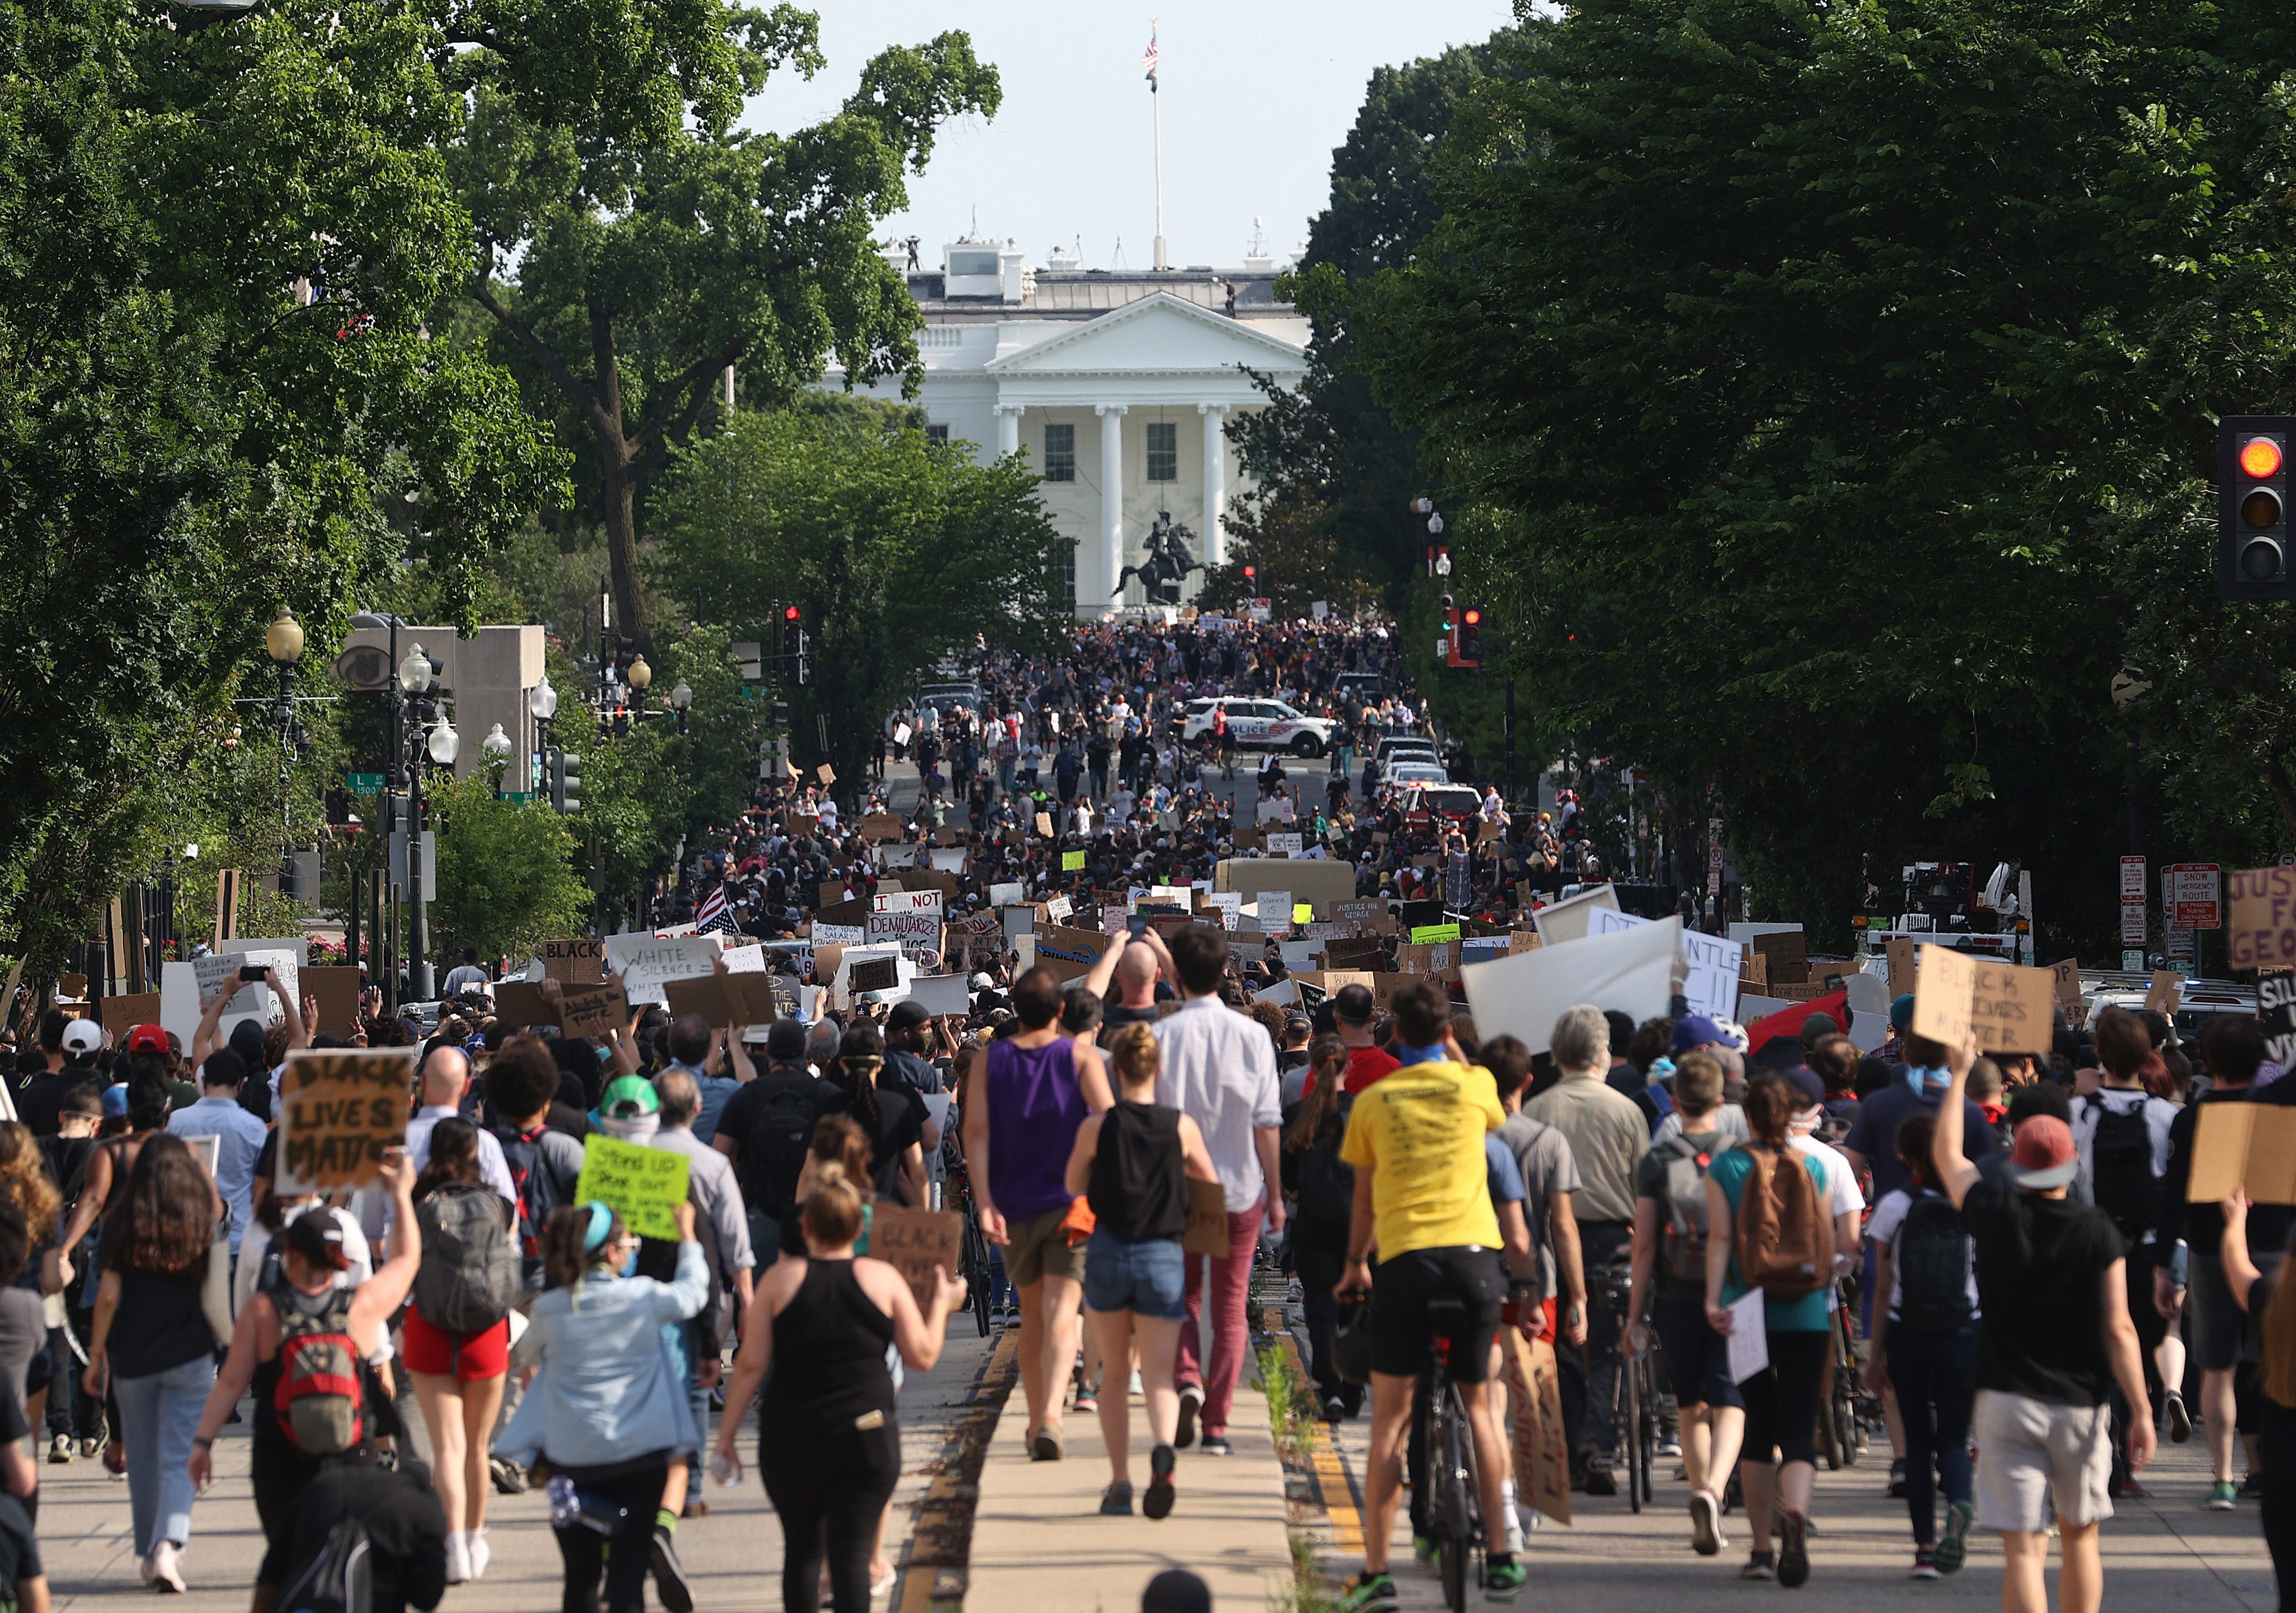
{"x": 1040, "y": 1544}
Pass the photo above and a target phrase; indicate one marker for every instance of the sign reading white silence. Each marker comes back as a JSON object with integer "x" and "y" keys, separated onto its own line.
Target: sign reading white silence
{"x": 1631, "y": 970}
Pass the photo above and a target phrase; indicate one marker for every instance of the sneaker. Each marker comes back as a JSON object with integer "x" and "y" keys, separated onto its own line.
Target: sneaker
{"x": 2251, "y": 1488}
{"x": 1599, "y": 1481}
{"x": 1192, "y": 1399}
{"x": 2223, "y": 1496}
{"x": 1793, "y": 1551}
{"x": 90, "y": 1448}
{"x": 1898, "y": 1480}
{"x": 1116, "y": 1500}
{"x": 1502, "y": 1580}
{"x": 669, "y": 1581}
{"x": 1759, "y": 1566}
{"x": 1422, "y": 1547}
{"x": 2180, "y": 1421}
{"x": 1043, "y": 1446}
{"x": 1669, "y": 1445}
{"x": 1370, "y": 1593}
{"x": 1158, "y": 1502}
{"x": 1335, "y": 1409}
{"x": 1953, "y": 1550}
{"x": 2134, "y": 1491}
{"x": 1217, "y": 1445}
{"x": 880, "y": 1585}
{"x": 1924, "y": 1563}
{"x": 1085, "y": 1402}
{"x": 1515, "y": 1539}
{"x": 166, "y": 1570}
{"x": 459, "y": 1558}
{"x": 60, "y": 1449}
{"x": 1705, "y": 1523}
{"x": 510, "y": 1479}
{"x": 481, "y": 1553}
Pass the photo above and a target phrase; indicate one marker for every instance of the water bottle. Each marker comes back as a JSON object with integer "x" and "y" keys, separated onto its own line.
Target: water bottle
{"x": 724, "y": 1470}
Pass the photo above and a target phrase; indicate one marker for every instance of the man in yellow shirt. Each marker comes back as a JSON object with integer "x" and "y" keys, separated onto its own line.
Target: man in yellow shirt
{"x": 1423, "y": 1196}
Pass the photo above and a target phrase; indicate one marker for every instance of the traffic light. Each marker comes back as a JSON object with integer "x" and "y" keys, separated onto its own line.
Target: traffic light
{"x": 626, "y": 651}
{"x": 564, "y": 769}
{"x": 2252, "y": 495}
{"x": 1467, "y": 640}
{"x": 1447, "y": 642}
{"x": 804, "y": 654}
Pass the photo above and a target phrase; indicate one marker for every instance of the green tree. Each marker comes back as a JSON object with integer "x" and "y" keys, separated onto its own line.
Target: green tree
{"x": 897, "y": 549}
{"x": 1838, "y": 388}
{"x": 632, "y": 245}
{"x": 505, "y": 881}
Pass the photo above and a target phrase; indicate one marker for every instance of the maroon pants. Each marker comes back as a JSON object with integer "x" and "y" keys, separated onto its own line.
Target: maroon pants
{"x": 1231, "y": 1293}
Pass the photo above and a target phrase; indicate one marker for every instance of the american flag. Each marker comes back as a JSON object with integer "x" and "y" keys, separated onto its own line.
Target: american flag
{"x": 713, "y": 914}
{"x": 1148, "y": 62}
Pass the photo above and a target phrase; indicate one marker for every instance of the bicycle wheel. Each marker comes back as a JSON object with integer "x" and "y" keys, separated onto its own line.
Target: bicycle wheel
{"x": 1630, "y": 1421}
{"x": 1647, "y": 1452}
{"x": 1449, "y": 1509}
{"x": 976, "y": 1261}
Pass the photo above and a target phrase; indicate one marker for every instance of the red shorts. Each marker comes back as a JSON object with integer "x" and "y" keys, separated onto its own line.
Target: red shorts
{"x": 432, "y": 1351}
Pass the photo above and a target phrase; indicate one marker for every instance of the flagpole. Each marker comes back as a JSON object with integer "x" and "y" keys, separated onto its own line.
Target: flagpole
{"x": 1156, "y": 116}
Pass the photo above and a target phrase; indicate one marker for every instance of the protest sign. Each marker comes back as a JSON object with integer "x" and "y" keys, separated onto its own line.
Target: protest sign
{"x": 1541, "y": 1444}
{"x": 913, "y": 1242}
{"x": 1286, "y": 845}
{"x": 749, "y": 959}
{"x": 852, "y": 914}
{"x": 117, "y": 1013}
{"x": 649, "y": 962}
{"x": 880, "y": 826}
{"x": 2249, "y": 1146}
{"x": 642, "y": 1185}
{"x": 2066, "y": 975}
{"x": 949, "y": 859}
{"x": 915, "y": 932}
{"x": 2276, "y": 1014}
{"x": 939, "y": 994}
{"x": 704, "y": 995}
{"x": 519, "y": 1004}
{"x": 1071, "y": 862}
{"x": 1045, "y": 825}
{"x": 218, "y": 971}
{"x": 1712, "y": 968}
{"x": 873, "y": 974}
{"x": 1426, "y": 934}
{"x": 1059, "y": 910}
{"x": 2263, "y": 931}
{"x": 2166, "y": 994}
{"x": 334, "y": 989}
{"x": 1004, "y": 893}
{"x": 825, "y": 773}
{"x": 1567, "y": 920}
{"x": 594, "y": 1010}
{"x": 339, "y": 1110}
{"x": 580, "y": 959}
{"x": 1631, "y": 970}
{"x": 1786, "y": 956}
{"x": 838, "y": 935}
{"x": 1206, "y": 1232}
{"x": 2011, "y": 1009}
{"x": 1275, "y": 909}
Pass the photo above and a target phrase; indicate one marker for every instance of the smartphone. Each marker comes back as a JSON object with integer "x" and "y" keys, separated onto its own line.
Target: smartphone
{"x": 1136, "y": 926}
{"x": 252, "y": 971}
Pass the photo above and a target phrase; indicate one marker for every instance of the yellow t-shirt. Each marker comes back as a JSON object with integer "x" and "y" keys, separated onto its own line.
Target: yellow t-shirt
{"x": 1420, "y": 1132}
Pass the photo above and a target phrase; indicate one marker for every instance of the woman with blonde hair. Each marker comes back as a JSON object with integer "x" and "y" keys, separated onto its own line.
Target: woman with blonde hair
{"x": 828, "y": 1444}
{"x": 1132, "y": 1162}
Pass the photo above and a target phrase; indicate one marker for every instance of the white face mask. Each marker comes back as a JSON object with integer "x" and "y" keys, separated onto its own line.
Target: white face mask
{"x": 638, "y": 1128}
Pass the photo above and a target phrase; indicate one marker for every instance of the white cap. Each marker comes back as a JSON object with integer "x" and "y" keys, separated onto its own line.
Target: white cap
{"x": 82, "y": 1036}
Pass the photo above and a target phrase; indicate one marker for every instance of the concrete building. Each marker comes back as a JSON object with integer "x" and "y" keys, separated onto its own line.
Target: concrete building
{"x": 1118, "y": 385}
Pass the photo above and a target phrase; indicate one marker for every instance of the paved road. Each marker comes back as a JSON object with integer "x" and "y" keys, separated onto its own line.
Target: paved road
{"x": 734, "y": 1556}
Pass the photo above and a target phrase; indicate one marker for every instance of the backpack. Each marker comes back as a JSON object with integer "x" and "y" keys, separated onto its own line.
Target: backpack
{"x": 772, "y": 1155}
{"x": 470, "y": 1276}
{"x": 1783, "y": 1237}
{"x": 540, "y": 1190}
{"x": 1327, "y": 1183}
{"x": 1933, "y": 1267}
{"x": 320, "y": 1403}
{"x": 1687, "y": 1225}
{"x": 340, "y": 1579}
{"x": 2120, "y": 1157}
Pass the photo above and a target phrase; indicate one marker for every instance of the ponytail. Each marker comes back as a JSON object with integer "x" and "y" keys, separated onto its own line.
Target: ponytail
{"x": 833, "y": 1209}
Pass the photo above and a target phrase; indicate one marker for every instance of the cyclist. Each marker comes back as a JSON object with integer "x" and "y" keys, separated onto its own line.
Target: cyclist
{"x": 1422, "y": 1198}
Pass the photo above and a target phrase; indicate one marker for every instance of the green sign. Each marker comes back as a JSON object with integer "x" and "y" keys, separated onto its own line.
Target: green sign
{"x": 363, "y": 784}
{"x": 1423, "y": 935}
{"x": 520, "y": 795}
{"x": 643, "y": 1186}
{"x": 1072, "y": 861}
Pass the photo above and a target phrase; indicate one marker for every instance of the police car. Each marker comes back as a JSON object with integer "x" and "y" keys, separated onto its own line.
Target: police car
{"x": 1261, "y": 725}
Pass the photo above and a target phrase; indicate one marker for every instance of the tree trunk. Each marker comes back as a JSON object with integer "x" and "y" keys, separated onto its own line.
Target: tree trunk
{"x": 617, "y": 506}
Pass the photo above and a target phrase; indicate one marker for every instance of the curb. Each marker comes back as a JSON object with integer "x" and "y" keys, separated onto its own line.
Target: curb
{"x": 933, "y": 1568}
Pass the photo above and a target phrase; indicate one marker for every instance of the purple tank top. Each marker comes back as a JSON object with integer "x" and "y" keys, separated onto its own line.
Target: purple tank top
{"x": 1035, "y": 1107}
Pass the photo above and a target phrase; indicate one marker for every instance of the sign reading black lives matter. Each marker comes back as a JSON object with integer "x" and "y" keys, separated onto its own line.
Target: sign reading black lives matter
{"x": 2276, "y": 1014}
{"x": 340, "y": 1110}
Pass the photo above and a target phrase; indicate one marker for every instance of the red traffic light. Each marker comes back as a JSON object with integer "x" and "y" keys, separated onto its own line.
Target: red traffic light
{"x": 791, "y": 613}
{"x": 1250, "y": 572}
{"x": 2260, "y": 457}
{"x": 1473, "y": 617}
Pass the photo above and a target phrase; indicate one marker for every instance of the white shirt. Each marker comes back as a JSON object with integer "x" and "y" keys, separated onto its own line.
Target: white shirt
{"x": 492, "y": 1165}
{"x": 2159, "y": 1114}
{"x": 1842, "y": 1195}
{"x": 1219, "y": 1070}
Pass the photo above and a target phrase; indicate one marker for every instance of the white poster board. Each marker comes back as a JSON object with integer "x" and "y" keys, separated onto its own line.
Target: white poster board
{"x": 1567, "y": 920}
{"x": 1712, "y": 968}
{"x": 1631, "y": 970}
{"x": 648, "y": 961}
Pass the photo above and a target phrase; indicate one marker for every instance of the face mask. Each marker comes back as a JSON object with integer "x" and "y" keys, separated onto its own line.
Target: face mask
{"x": 1925, "y": 1080}
{"x": 631, "y": 1262}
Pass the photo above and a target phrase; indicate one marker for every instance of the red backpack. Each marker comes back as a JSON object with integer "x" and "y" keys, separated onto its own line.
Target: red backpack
{"x": 320, "y": 1403}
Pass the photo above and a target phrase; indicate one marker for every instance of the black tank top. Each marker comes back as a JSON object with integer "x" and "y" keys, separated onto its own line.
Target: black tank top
{"x": 828, "y": 1352}
{"x": 1139, "y": 1174}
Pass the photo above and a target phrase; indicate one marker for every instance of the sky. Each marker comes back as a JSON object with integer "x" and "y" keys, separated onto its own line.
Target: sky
{"x": 1255, "y": 95}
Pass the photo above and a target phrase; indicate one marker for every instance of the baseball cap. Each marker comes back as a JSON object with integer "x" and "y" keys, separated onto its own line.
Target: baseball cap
{"x": 1817, "y": 1025}
{"x": 1354, "y": 1003}
{"x": 147, "y": 1039}
{"x": 627, "y": 1097}
{"x": 2042, "y": 1155}
{"x": 1695, "y": 1031}
{"x": 1805, "y": 1082}
{"x": 115, "y": 1101}
{"x": 1901, "y": 1012}
{"x": 82, "y": 1036}
{"x": 1297, "y": 1024}
{"x": 907, "y": 1014}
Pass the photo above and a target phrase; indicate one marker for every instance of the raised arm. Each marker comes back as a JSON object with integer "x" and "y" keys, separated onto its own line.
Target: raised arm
{"x": 1105, "y": 971}
{"x": 379, "y": 1297}
{"x": 1955, "y": 1173}
{"x": 299, "y": 1032}
{"x": 203, "y": 1038}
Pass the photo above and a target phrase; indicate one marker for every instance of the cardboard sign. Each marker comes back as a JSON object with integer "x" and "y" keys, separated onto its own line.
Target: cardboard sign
{"x": 597, "y": 1010}
{"x": 1206, "y": 1232}
{"x": 913, "y": 1242}
{"x": 844, "y": 915}
{"x": 2010, "y": 1008}
{"x": 1360, "y": 952}
{"x": 1786, "y": 956}
{"x": 1904, "y": 953}
{"x": 521, "y": 1003}
{"x": 704, "y": 995}
{"x": 650, "y": 962}
{"x": 340, "y": 1110}
{"x": 580, "y": 959}
{"x": 1564, "y": 921}
{"x": 333, "y": 989}
{"x": 1522, "y": 941}
{"x": 117, "y": 1014}
{"x": 2249, "y": 1146}
{"x": 1385, "y": 983}
{"x": 2066, "y": 974}
{"x": 642, "y": 1185}
{"x": 825, "y": 773}
{"x": 828, "y": 892}
{"x": 881, "y": 826}
{"x": 1542, "y": 1445}
{"x": 1045, "y": 825}
{"x": 1286, "y": 845}
{"x": 873, "y": 974}
{"x": 2166, "y": 994}
{"x": 2263, "y": 932}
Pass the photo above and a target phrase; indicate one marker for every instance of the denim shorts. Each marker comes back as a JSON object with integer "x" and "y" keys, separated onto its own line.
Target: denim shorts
{"x": 1148, "y": 1279}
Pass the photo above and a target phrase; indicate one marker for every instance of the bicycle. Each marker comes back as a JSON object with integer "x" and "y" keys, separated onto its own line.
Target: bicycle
{"x": 1633, "y": 1402}
{"x": 973, "y": 1249}
{"x": 1841, "y": 1430}
{"x": 1454, "y": 1509}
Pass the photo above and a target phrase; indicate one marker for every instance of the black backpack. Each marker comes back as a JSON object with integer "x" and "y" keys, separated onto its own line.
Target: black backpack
{"x": 340, "y": 1579}
{"x": 2120, "y": 1160}
{"x": 1933, "y": 1267}
{"x": 772, "y": 1155}
{"x": 1327, "y": 1183}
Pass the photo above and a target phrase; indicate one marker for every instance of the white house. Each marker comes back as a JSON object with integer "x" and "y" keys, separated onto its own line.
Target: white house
{"x": 1117, "y": 383}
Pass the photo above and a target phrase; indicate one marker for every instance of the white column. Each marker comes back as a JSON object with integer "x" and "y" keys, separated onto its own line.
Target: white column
{"x": 1008, "y": 430}
{"x": 1215, "y": 415}
{"x": 1112, "y": 504}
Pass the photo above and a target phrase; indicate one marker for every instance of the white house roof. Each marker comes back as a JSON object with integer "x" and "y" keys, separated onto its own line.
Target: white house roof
{"x": 1160, "y": 334}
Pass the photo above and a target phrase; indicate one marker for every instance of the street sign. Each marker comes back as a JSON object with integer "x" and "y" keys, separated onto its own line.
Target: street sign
{"x": 2192, "y": 893}
{"x": 520, "y": 796}
{"x": 363, "y": 784}
{"x": 2132, "y": 914}
{"x": 2132, "y": 879}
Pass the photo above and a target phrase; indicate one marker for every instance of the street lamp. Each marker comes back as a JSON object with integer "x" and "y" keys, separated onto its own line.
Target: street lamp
{"x": 414, "y": 672}
{"x": 496, "y": 744}
{"x": 542, "y": 700}
{"x": 641, "y": 676}
{"x": 283, "y": 641}
{"x": 681, "y": 699}
{"x": 446, "y": 744}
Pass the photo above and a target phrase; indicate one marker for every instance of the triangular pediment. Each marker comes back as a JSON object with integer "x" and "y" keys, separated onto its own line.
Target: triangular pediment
{"x": 1158, "y": 334}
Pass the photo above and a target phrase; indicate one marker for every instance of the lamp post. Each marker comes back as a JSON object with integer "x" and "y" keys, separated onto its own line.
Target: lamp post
{"x": 387, "y": 979}
{"x": 541, "y": 705}
{"x": 415, "y": 678}
{"x": 681, "y": 701}
{"x": 283, "y": 641}
{"x": 497, "y": 747}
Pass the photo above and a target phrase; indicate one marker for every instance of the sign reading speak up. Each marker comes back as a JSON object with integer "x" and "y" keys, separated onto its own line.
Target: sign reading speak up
{"x": 339, "y": 1109}
{"x": 2010, "y": 1008}
{"x": 642, "y": 1185}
